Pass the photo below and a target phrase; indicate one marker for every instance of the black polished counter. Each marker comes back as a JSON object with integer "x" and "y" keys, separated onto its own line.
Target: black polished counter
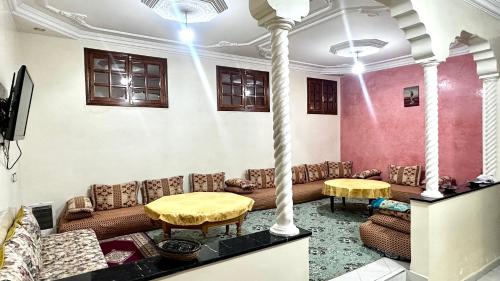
{"x": 156, "y": 267}
{"x": 461, "y": 190}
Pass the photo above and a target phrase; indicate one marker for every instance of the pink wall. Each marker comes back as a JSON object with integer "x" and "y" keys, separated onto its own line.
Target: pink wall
{"x": 394, "y": 134}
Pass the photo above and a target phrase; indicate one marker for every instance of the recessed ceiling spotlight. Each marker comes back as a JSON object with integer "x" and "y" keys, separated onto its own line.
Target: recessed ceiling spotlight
{"x": 39, "y": 29}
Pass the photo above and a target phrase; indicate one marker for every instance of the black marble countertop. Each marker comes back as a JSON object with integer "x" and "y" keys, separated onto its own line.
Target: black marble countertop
{"x": 156, "y": 267}
{"x": 461, "y": 190}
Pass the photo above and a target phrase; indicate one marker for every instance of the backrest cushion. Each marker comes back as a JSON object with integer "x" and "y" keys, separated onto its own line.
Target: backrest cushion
{"x": 405, "y": 175}
{"x": 155, "y": 189}
{"x": 316, "y": 172}
{"x": 263, "y": 178}
{"x": 108, "y": 197}
{"x": 299, "y": 174}
{"x": 78, "y": 207}
{"x": 208, "y": 182}
{"x": 340, "y": 169}
{"x": 22, "y": 249}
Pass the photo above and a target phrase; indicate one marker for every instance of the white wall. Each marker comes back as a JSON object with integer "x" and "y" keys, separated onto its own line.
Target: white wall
{"x": 288, "y": 261}
{"x": 456, "y": 238}
{"x": 70, "y": 145}
{"x": 8, "y": 189}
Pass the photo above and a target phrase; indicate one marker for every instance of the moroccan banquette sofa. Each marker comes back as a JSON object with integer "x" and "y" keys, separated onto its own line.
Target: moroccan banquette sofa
{"x": 27, "y": 256}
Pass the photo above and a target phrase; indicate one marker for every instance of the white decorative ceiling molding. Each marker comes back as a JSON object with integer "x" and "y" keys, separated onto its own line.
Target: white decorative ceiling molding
{"x": 81, "y": 30}
{"x": 491, "y": 7}
{"x": 191, "y": 11}
{"x": 357, "y": 48}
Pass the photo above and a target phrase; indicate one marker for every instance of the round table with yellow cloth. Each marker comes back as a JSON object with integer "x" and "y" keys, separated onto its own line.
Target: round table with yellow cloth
{"x": 199, "y": 210}
{"x": 355, "y": 188}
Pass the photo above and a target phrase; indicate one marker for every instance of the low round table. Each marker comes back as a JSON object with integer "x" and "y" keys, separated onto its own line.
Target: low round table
{"x": 355, "y": 188}
{"x": 199, "y": 210}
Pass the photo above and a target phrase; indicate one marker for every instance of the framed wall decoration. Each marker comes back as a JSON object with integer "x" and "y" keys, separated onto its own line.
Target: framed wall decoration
{"x": 411, "y": 96}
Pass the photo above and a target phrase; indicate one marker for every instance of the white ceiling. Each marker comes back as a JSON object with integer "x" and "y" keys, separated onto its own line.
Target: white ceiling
{"x": 310, "y": 40}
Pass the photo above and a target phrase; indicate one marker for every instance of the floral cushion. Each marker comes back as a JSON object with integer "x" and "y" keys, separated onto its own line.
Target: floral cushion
{"x": 207, "y": 182}
{"x": 14, "y": 268}
{"x": 108, "y": 197}
{"x": 391, "y": 205}
{"x": 367, "y": 174}
{"x": 241, "y": 183}
{"x": 317, "y": 172}
{"x": 405, "y": 175}
{"x": 263, "y": 178}
{"x": 78, "y": 208}
{"x": 238, "y": 190}
{"x": 21, "y": 246}
{"x": 299, "y": 174}
{"x": 29, "y": 223}
{"x": 71, "y": 253}
{"x": 443, "y": 181}
{"x": 339, "y": 169}
{"x": 155, "y": 189}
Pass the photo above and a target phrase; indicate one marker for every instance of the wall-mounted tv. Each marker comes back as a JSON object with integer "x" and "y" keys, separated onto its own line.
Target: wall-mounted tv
{"x": 15, "y": 109}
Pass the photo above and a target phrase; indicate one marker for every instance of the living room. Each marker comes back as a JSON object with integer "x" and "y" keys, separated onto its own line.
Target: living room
{"x": 75, "y": 138}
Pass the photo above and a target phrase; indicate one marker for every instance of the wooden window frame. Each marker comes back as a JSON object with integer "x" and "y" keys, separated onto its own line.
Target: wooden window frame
{"x": 130, "y": 59}
{"x": 243, "y": 73}
{"x": 324, "y": 98}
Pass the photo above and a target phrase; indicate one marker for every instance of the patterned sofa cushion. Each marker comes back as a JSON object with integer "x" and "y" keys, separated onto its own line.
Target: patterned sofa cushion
{"x": 22, "y": 247}
{"x": 339, "y": 169}
{"x": 392, "y": 205}
{"x": 207, "y": 182}
{"x": 155, "y": 189}
{"x": 14, "y": 268}
{"x": 71, "y": 253}
{"x": 263, "y": 178}
{"x": 317, "y": 172}
{"x": 405, "y": 175}
{"x": 391, "y": 242}
{"x": 29, "y": 223}
{"x": 299, "y": 174}
{"x": 108, "y": 197}
{"x": 367, "y": 174}
{"x": 401, "y": 215}
{"x": 392, "y": 222}
{"x": 79, "y": 207}
{"x": 443, "y": 181}
{"x": 241, "y": 183}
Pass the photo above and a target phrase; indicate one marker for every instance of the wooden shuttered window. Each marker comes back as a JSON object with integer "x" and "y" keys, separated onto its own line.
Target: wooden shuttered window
{"x": 321, "y": 96}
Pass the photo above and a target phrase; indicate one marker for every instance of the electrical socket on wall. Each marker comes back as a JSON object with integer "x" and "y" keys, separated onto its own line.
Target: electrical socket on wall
{"x": 13, "y": 177}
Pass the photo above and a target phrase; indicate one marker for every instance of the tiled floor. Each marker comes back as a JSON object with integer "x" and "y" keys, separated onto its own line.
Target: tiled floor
{"x": 382, "y": 269}
{"x": 493, "y": 275}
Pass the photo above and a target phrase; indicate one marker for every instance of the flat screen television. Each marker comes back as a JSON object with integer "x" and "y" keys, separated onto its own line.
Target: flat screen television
{"x": 17, "y": 106}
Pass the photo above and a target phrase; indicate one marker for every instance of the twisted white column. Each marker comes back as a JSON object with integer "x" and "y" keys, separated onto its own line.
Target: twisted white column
{"x": 284, "y": 225}
{"x": 431, "y": 131}
{"x": 490, "y": 126}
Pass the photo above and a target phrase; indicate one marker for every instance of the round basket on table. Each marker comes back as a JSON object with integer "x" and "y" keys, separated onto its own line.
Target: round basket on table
{"x": 179, "y": 249}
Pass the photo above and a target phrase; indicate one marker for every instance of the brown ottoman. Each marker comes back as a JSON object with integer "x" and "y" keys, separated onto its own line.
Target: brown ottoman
{"x": 387, "y": 234}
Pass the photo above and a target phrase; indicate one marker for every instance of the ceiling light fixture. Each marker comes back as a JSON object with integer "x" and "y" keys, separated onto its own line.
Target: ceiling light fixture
{"x": 358, "y": 67}
{"x": 186, "y": 34}
{"x": 199, "y": 10}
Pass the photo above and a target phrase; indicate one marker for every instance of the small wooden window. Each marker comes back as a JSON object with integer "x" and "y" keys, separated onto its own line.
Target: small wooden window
{"x": 242, "y": 89}
{"x": 321, "y": 96}
{"x": 119, "y": 79}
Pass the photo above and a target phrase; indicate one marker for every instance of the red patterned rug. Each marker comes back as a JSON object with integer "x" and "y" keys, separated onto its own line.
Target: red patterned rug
{"x": 127, "y": 248}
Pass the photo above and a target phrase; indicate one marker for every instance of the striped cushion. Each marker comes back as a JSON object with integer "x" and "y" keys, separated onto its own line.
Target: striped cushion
{"x": 108, "y": 197}
{"x": 207, "y": 182}
{"x": 299, "y": 174}
{"x": 263, "y": 178}
{"x": 317, "y": 172}
{"x": 339, "y": 169}
{"x": 79, "y": 207}
{"x": 405, "y": 175}
{"x": 155, "y": 189}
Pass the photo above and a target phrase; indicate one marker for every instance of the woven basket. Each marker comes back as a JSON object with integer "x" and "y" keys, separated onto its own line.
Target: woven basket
{"x": 179, "y": 249}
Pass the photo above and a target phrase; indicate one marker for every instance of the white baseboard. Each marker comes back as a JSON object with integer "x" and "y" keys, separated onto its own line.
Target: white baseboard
{"x": 485, "y": 269}
{"x": 413, "y": 276}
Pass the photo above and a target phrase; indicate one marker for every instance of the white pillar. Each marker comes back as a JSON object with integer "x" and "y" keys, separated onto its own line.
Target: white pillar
{"x": 431, "y": 131}
{"x": 280, "y": 82}
{"x": 490, "y": 126}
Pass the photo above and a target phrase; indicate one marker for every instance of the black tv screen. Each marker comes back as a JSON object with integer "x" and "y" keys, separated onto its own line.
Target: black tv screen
{"x": 19, "y": 106}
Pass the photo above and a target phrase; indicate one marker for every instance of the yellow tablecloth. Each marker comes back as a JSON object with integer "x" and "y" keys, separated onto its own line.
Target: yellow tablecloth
{"x": 196, "y": 208}
{"x": 356, "y": 188}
